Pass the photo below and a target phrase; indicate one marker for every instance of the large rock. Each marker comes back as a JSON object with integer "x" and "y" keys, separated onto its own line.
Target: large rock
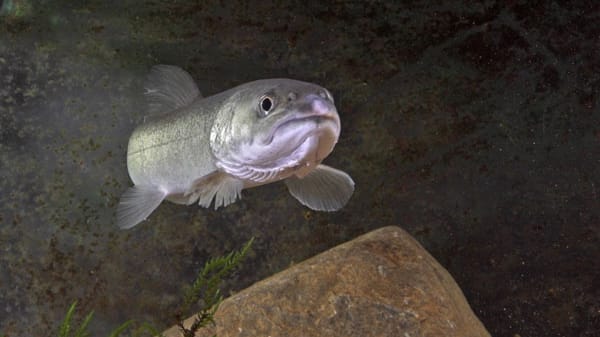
{"x": 380, "y": 284}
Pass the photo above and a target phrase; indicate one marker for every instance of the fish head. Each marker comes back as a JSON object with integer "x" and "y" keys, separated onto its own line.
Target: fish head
{"x": 271, "y": 129}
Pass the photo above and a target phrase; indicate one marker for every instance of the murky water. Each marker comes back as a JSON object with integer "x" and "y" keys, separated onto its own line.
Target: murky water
{"x": 474, "y": 127}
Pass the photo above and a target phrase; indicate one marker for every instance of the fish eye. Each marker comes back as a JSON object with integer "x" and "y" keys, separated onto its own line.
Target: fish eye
{"x": 265, "y": 105}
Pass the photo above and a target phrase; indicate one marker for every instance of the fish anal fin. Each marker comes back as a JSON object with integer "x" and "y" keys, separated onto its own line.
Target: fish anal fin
{"x": 323, "y": 189}
{"x": 137, "y": 203}
{"x": 168, "y": 88}
{"x": 221, "y": 187}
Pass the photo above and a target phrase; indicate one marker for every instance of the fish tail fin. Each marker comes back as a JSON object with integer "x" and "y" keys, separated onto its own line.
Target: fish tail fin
{"x": 137, "y": 203}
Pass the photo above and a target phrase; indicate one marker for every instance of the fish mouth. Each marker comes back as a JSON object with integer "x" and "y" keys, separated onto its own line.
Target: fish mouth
{"x": 301, "y": 140}
{"x": 313, "y": 123}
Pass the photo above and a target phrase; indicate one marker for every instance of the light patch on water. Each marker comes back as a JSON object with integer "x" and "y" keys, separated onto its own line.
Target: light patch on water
{"x": 16, "y": 8}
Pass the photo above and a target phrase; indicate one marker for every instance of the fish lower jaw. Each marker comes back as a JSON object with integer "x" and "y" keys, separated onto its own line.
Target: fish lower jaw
{"x": 254, "y": 176}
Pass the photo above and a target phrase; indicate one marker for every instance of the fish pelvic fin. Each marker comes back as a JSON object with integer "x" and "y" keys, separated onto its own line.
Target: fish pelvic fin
{"x": 323, "y": 189}
{"x": 221, "y": 187}
{"x": 168, "y": 88}
{"x": 137, "y": 203}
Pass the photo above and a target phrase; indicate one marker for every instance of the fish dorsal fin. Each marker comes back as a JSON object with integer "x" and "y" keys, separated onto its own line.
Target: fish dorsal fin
{"x": 168, "y": 88}
{"x": 323, "y": 189}
{"x": 221, "y": 187}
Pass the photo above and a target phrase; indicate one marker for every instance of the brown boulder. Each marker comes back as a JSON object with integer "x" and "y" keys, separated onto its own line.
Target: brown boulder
{"x": 380, "y": 284}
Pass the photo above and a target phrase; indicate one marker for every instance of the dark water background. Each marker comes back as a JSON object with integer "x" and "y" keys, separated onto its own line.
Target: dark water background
{"x": 474, "y": 125}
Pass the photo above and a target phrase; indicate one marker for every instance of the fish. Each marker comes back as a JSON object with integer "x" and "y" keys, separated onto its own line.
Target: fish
{"x": 206, "y": 150}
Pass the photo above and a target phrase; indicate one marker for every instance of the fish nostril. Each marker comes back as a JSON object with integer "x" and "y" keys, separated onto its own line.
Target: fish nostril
{"x": 325, "y": 94}
{"x": 292, "y": 96}
{"x": 320, "y": 107}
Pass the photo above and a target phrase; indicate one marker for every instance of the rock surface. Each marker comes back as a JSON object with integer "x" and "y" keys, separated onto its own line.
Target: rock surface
{"x": 380, "y": 284}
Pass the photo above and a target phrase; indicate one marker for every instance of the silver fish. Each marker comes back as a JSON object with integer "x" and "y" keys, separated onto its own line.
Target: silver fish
{"x": 205, "y": 150}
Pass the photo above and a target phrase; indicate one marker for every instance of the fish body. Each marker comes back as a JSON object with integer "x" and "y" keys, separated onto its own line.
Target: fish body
{"x": 207, "y": 150}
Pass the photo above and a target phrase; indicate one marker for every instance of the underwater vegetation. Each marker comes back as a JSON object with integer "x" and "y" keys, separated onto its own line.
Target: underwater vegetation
{"x": 204, "y": 290}
{"x": 67, "y": 325}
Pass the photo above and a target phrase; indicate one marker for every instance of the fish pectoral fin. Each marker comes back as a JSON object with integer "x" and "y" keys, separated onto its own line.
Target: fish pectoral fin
{"x": 137, "y": 203}
{"x": 323, "y": 189}
{"x": 220, "y": 186}
{"x": 168, "y": 88}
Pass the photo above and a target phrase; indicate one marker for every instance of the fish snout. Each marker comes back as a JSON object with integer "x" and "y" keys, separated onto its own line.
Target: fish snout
{"x": 320, "y": 105}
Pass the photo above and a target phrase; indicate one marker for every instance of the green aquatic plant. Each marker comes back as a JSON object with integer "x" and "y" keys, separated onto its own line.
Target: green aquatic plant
{"x": 121, "y": 328}
{"x": 65, "y": 327}
{"x": 205, "y": 291}
{"x": 82, "y": 331}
